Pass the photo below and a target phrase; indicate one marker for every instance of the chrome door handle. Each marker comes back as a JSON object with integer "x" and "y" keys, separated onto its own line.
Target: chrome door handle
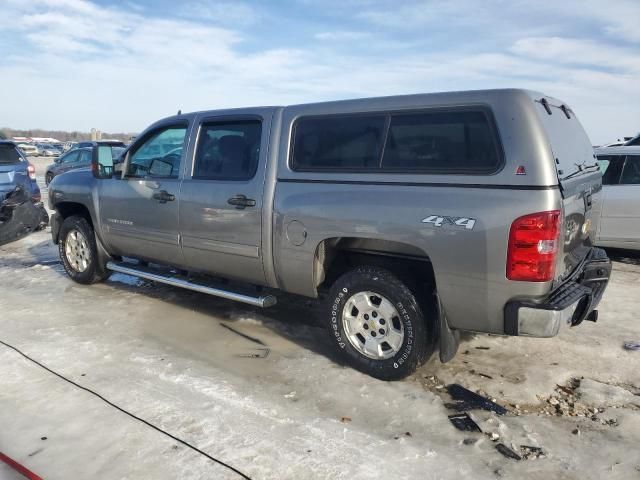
{"x": 241, "y": 201}
{"x": 163, "y": 196}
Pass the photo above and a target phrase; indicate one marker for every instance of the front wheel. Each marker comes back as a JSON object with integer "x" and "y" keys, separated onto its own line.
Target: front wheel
{"x": 79, "y": 252}
{"x": 377, "y": 323}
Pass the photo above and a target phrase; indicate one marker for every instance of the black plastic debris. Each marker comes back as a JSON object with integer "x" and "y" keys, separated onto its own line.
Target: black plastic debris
{"x": 465, "y": 399}
{"x": 19, "y": 216}
{"x": 507, "y": 452}
{"x": 632, "y": 346}
{"x": 462, "y": 421}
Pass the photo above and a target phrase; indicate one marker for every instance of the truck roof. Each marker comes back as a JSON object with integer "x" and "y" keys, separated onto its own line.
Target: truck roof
{"x": 436, "y": 98}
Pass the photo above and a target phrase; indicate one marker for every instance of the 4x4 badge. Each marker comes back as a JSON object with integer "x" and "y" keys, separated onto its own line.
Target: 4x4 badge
{"x": 440, "y": 220}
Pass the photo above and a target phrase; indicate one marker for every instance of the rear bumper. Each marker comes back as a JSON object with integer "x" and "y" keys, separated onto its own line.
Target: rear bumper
{"x": 568, "y": 305}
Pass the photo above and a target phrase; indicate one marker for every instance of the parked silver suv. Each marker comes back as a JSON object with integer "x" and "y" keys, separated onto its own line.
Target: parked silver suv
{"x": 415, "y": 217}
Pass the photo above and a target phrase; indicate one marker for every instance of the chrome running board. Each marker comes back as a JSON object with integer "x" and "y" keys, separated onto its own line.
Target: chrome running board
{"x": 146, "y": 273}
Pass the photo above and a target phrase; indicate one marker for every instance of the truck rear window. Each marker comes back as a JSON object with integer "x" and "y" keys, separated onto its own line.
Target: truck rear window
{"x": 9, "y": 155}
{"x": 452, "y": 141}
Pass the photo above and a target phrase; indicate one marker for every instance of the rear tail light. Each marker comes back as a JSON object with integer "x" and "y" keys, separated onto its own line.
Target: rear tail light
{"x": 533, "y": 247}
{"x": 32, "y": 172}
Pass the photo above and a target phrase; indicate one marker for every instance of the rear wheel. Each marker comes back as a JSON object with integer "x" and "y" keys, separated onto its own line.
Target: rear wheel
{"x": 79, "y": 252}
{"x": 377, "y": 323}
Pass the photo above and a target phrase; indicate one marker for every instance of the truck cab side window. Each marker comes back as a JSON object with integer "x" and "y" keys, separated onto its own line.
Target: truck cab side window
{"x": 228, "y": 151}
{"x": 159, "y": 155}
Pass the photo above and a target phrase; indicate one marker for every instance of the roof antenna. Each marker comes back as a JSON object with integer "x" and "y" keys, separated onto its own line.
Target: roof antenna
{"x": 180, "y": 112}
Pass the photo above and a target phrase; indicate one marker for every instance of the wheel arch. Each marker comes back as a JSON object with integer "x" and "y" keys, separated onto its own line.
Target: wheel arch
{"x": 335, "y": 256}
{"x": 67, "y": 209}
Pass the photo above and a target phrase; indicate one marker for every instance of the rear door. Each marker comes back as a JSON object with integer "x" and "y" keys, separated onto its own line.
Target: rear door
{"x": 222, "y": 197}
{"x": 139, "y": 210}
{"x": 620, "y": 223}
{"x": 579, "y": 177}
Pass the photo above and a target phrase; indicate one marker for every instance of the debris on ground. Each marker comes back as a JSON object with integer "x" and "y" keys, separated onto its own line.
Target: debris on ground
{"x": 531, "y": 453}
{"x": 345, "y": 419}
{"x": 507, "y": 452}
{"x": 465, "y": 399}
{"x": 525, "y": 452}
{"x": 258, "y": 353}
{"x": 462, "y": 421}
{"x": 632, "y": 346}
{"x": 480, "y": 374}
{"x": 20, "y": 216}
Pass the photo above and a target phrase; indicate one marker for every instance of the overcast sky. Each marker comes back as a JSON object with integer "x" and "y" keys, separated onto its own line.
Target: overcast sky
{"x": 118, "y": 66}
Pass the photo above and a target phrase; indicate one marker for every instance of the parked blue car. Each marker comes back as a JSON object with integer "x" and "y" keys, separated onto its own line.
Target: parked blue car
{"x": 21, "y": 209}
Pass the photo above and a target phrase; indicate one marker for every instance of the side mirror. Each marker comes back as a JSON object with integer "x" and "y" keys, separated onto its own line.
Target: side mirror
{"x": 102, "y": 162}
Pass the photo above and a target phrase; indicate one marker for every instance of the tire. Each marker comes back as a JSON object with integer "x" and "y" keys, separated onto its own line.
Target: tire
{"x": 406, "y": 334}
{"x": 48, "y": 178}
{"x": 79, "y": 252}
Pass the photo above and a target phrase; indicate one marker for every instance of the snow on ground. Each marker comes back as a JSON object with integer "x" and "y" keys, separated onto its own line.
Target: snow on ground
{"x": 167, "y": 356}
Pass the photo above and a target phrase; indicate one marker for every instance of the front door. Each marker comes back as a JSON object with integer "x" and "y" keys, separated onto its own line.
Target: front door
{"x": 139, "y": 208}
{"x": 221, "y": 198}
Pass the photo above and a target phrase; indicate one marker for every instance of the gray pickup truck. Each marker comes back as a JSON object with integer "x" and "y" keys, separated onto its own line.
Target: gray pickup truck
{"x": 413, "y": 217}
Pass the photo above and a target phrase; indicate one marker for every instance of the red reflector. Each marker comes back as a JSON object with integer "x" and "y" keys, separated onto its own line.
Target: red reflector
{"x": 533, "y": 247}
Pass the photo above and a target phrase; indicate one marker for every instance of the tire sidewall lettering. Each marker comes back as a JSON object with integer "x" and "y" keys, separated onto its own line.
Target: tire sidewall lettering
{"x": 335, "y": 308}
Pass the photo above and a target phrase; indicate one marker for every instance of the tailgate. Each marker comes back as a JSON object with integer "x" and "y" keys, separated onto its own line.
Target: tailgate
{"x": 12, "y": 174}
{"x": 579, "y": 178}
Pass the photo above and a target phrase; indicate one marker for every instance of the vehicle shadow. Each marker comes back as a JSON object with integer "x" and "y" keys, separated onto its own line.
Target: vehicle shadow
{"x": 630, "y": 257}
{"x": 297, "y": 319}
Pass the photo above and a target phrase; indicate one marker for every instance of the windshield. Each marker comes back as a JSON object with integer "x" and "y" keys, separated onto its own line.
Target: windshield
{"x": 9, "y": 155}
